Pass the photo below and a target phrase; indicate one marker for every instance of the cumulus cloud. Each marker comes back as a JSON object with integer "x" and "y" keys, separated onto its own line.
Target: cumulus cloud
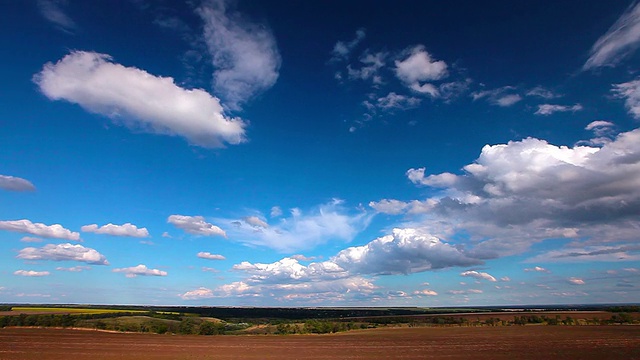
{"x": 38, "y": 229}
{"x": 31, "y": 273}
{"x": 425, "y": 292}
{"x": 195, "y": 225}
{"x": 244, "y": 54}
{"x": 52, "y": 11}
{"x": 139, "y": 100}
{"x": 503, "y": 97}
{"x": 302, "y": 229}
{"x": 548, "y": 109}
{"x": 342, "y": 49}
{"x": 210, "y": 256}
{"x": 386, "y": 206}
{"x": 417, "y": 69}
{"x": 199, "y": 293}
{"x": 622, "y": 39}
{"x": 301, "y": 257}
{"x": 140, "y": 270}
{"x": 12, "y": 183}
{"x": 63, "y": 252}
{"x": 576, "y": 281}
{"x": 127, "y": 229}
{"x": 630, "y": 92}
{"x": 478, "y": 275}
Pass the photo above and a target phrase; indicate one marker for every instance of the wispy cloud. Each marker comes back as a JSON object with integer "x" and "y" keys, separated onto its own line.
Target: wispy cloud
{"x": 245, "y": 54}
{"x": 31, "y": 273}
{"x": 52, "y": 11}
{"x": 139, "y": 100}
{"x": 630, "y": 92}
{"x": 13, "y": 183}
{"x": 504, "y": 96}
{"x": 127, "y": 229}
{"x": 195, "y": 225}
{"x": 549, "y": 109}
{"x": 619, "y": 41}
{"x": 342, "y": 49}
{"x": 210, "y": 256}
{"x": 479, "y": 275}
{"x": 38, "y": 229}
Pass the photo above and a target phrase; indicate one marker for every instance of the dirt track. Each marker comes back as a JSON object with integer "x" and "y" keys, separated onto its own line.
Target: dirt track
{"x": 515, "y": 342}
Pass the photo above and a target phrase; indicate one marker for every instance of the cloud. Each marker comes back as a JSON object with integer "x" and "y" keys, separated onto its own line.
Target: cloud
{"x": 425, "y": 292}
{"x": 31, "y": 273}
{"x": 464, "y": 292}
{"x": 622, "y": 39}
{"x": 505, "y": 279}
{"x": 590, "y": 254}
{"x": 63, "y": 252}
{"x": 210, "y": 256}
{"x": 576, "y": 281}
{"x": 300, "y": 257}
{"x": 166, "y": 235}
{"x": 523, "y": 192}
{"x": 537, "y": 269}
{"x": 139, "y": 100}
{"x": 541, "y": 92}
{"x": 503, "y": 97}
{"x": 117, "y": 230}
{"x": 199, "y": 293}
{"x": 38, "y": 229}
{"x": 478, "y": 275}
{"x": 342, "y": 49}
{"x": 51, "y": 10}
{"x": 404, "y": 251}
{"x": 140, "y": 270}
{"x": 371, "y": 65}
{"x": 598, "y": 124}
{"x": 12, "y": 183}
{"x": 418, "y": 68}
{"x": 391, "y": 207}
{"x": 630, "y": 92}
{"x": 195, "y": 225}
{"x": 255, "y": 221}
{"x": 30, "y": 239}
{"x": 301, "y": 230}
{"x": 244, "y": 54}
{"x": 395, "y": 101}
{"x": 548, "y": 109}
{"x": 276, "y": 211}
{"x": 74, "y": 268}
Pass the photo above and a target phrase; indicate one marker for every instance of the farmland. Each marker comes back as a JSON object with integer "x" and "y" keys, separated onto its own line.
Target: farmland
{"x": 522, "y": 342}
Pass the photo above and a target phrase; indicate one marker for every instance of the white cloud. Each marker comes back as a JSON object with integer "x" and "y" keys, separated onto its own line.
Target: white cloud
{"x": 30, "y": 239}
{"x": 301, "y": 230}
{"x": 39, "y": 229}
{"x": 301, "y": 257}
{"x": 505, "y": 279}
{"x": 276, "y": 211}
{"x": 425, "y": 292}
{"x": 13, "y": 183}
{"x": 139, "y": 100}
{"x": 598, "y": 124}
{"x": 620, "y": 40}
{"x": 371, "y": 65}
{"x": 341, "y": 49}
{"x": 616, "y": 253}
{"x": 478, "y": 275}
{"x": 127, "y": 229}
{"x": 256, "y": 222}
{"x": 245, "y": 55}
{"x": 576, "y": 281}
{"x": 395, "y": 101}
{"x": 210, "y": 256}
{"x": 630, "y": 91}
{"x": 503, "y": 96}
{"x": 418, "y": 69}
{"x": 31, "y": 273}
{"x": 63, "y": 252}
{"x": 404, "y": 251}
{"x": 140, "y": 270}
{"x": 51, "y": 10}
{"x": 465, "y": 292}
{"x": 391, "y": 207}
{"x": 166, "y": 235}
{"x": 537, "y": 269}
{"x": 199, "y": 293}
{"x": 195, "y": 225}
{"x": 74, "y": 268}
{"x": 548, "y": 109}
{"x": 541, "y": 92}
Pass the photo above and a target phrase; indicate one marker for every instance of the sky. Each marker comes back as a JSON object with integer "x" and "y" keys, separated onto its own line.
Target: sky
{"x": 320, "y": 153}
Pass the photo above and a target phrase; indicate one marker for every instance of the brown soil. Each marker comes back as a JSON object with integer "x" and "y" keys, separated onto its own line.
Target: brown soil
{"x": 513, "y": 342}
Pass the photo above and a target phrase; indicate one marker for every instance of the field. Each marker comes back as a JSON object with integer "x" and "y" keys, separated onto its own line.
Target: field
{"x": 504, "y": 342}
{"x": 63, "y": 310}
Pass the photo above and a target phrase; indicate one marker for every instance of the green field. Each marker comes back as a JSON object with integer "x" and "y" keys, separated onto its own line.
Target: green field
{"x": 70, "y": 310}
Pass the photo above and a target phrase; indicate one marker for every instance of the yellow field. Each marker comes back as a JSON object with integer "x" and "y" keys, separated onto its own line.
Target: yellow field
{"x": 69, "y": 310}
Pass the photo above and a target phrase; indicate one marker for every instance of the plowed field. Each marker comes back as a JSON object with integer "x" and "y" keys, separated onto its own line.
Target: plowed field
{"x": 514, "y": 342}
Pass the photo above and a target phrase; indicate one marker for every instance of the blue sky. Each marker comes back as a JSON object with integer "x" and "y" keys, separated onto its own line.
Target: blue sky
{"x": 320, "y": 153}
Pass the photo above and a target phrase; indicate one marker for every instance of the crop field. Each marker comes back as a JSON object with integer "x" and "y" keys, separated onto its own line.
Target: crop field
{"x": 63, "y": 310}
{"x": 505, "y": 342}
